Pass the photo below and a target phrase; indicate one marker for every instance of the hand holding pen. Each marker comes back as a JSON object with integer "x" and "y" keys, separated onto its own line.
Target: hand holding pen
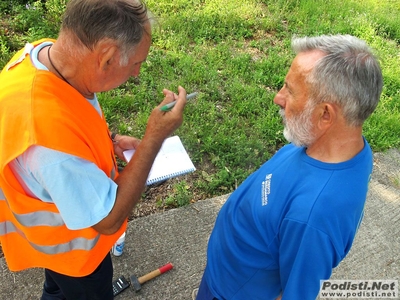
{"x": 170, "y": 105}
{"x": 161, "y": 124}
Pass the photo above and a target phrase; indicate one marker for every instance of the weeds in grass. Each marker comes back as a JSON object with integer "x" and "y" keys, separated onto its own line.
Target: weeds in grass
{"x": 181, "y": 196}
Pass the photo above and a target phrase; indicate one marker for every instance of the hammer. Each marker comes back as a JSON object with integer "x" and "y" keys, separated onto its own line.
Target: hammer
{"x": 137, "y": 282}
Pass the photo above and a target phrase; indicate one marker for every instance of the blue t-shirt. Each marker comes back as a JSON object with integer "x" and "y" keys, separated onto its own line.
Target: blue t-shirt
{"x": 287, "y": 226}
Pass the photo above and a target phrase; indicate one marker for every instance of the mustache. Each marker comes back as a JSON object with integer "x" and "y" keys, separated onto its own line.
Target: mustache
{"x": 282, "y": 114}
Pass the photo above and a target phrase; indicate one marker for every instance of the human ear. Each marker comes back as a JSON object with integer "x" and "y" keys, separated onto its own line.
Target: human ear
{"x": 107, "y": 56}
{"x": 328, "y": 115}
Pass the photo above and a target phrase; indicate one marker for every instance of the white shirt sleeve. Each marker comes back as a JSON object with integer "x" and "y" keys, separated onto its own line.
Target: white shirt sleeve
{"x": 82, "y": 192}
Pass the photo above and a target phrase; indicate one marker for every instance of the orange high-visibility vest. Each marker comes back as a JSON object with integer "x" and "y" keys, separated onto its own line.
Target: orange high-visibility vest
{"x": 38, "y": 108}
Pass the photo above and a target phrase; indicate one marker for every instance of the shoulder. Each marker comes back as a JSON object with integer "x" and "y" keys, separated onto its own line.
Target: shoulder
{"x": 38, "y": 157}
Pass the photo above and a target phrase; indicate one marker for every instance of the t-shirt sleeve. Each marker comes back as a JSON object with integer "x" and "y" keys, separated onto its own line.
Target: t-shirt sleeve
{"x": 306, "y": 256}
{"x": 82, "y": 192}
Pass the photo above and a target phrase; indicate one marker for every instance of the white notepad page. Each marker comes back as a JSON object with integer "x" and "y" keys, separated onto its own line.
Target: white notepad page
{"x": 171, "y": 161}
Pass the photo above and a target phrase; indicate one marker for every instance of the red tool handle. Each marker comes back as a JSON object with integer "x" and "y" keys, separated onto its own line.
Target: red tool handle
{"x": 166, "y": 268}
{"x": 155, "y": 273}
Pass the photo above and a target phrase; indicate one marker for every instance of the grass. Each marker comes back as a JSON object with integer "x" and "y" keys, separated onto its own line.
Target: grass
{"x": 236, "y": 54}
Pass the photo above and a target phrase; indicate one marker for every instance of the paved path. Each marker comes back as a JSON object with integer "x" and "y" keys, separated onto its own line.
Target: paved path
{"x": 180, "y": 236}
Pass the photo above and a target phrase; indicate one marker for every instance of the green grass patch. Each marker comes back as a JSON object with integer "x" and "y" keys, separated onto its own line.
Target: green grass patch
{"x": 236, "y": 54}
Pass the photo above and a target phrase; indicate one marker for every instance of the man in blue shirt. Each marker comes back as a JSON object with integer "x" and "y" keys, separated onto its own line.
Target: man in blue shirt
{"x": 292, "y": 221}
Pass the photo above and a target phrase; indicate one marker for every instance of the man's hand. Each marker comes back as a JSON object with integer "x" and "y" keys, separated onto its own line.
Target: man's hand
{"x": 162, "y": 124}
{"x": 124, "y": 142}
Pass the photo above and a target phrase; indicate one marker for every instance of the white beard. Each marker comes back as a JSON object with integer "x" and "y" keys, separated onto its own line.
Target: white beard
{"x": 298, "y": 129}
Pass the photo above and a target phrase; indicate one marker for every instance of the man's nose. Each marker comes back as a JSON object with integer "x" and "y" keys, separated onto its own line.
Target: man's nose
{"x": 136, "y": 70}
{"x": 279, "y": 99}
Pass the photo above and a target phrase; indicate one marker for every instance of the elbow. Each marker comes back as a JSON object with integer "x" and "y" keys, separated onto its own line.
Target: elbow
{"x": 107, "y": 229}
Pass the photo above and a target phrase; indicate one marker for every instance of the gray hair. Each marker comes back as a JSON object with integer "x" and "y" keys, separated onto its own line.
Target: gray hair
{"x": 348, "y": 75}
{"x": 122, "y": 21}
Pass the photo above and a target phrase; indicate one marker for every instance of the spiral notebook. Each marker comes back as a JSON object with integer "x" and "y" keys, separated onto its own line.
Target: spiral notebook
{"x": 171, "y": 161}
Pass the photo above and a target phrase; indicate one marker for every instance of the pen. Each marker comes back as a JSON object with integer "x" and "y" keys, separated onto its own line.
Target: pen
{"x": 170, "y": 105}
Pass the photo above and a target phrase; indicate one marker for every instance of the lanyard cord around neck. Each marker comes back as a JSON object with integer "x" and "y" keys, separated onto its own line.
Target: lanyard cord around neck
{"x": 54, "y": 67}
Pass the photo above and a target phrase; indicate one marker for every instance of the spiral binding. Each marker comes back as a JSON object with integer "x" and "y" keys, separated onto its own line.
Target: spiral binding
{"x": 169, "y": 176}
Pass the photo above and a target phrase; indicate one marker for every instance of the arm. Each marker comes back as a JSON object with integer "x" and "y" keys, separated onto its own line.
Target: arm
{"x": 132, "y": 181}
{"x": 306, "y": 256}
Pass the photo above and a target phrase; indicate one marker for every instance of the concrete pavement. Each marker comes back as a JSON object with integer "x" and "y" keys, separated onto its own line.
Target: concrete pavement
{"x": 180, "y": 236}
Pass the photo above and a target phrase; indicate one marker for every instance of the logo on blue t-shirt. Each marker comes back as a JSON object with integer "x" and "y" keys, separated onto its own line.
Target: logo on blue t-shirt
{"x": 265, "y": 189}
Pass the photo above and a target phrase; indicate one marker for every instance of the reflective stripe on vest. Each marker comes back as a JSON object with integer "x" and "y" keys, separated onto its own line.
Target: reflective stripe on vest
{"x": 44, "y": 218}
{"x": 75, "y": 244}
{"x": 39, "y": 218}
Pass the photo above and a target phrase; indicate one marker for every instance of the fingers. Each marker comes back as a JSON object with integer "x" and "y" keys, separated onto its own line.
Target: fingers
{"x": 163, "y": 122}
{"x": 128, "y": 142}
{"x": 170, "y": 97}
{"x": 125, "y": 142}
{"x": 181, "y": 100}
